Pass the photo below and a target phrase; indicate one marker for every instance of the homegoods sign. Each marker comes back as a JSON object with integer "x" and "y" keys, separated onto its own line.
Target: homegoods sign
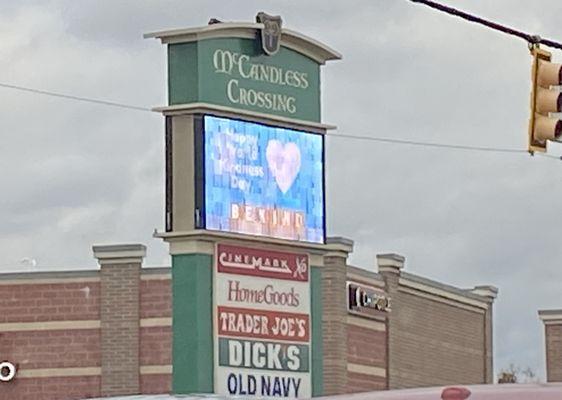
{"x": 262, "y": 323}
{"x": 234, "y": 72}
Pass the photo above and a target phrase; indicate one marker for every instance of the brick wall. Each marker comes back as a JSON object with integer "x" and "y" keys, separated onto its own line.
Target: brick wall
{"x": 50, "y": 327}
{"x": 51, "y": 388}
{"x": 29, "y": 302}
{"x": 119, "y": 313}
{"x": 438, "y": 334}
{"x": 367, "y": 338}
{"x": 367, "y": 356}
{"x": 156, "y": 295}
{"x": 433, "y": 343}
{"x": 156, "y": 331}
{"x": 366, "y": 346}
{"x": 66, "y": 348}
{"x": 334, "y": 319}
{"x": 553, "y": 334}
{"x": 552, "y": 320}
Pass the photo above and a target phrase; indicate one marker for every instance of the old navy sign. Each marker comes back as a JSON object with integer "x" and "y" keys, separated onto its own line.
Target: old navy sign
{"x": 269, "y": 384}
{"x": 262, "y": 322}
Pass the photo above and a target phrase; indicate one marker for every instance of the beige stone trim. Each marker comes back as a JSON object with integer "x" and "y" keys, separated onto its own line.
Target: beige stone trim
{"x": 316, "y": 260}
{"x": 443, "y": 293}
{"x": 551, "y": 318}
{"x": 191, "y": 247}
{"x": 366, "y": 370}
{"x": 48, "y": 326}
{"x": 153, "y": 322}
{"x": 58, "y": 372}
{"x": 366, "y": 323}
{"x": 360, "y": 279}
{"x": 390, "y": 261}
{"x": 212, "y": 237}
{"x": 392, "y": 270}
{"x": 442, "y": 300}
{"x": 491, "y": 292}
{"x": 337, "y": 253}
{"x": 156, "y": 277}
{"x": 116, "y": 260}
{"x": 553, "y": 322}
{"x": 155, "y": 369}
{"x": 289, "y": 38}
{"x": 114, "y": 254}
{"x": 43, "y": 281}
{"x": 204, "y": 247}
{"x": 225, "y": 111}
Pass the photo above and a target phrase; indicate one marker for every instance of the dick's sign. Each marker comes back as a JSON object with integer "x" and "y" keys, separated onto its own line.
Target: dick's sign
{"x": 262, "y": 323}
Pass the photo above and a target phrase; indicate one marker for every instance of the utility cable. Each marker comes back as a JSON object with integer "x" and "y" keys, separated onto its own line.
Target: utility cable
{"x": 428, "y": 144}
{"x": 72, "y": 97}
{"x": 530, "y": 39}
{"x": 331, "y": 135}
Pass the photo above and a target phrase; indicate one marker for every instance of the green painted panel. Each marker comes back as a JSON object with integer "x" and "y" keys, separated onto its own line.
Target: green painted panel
{"x": 272, "y": 356}
{"x": 183, "y": 80}
{"x": 317, "y": 342}
{"x": 234, "y": 72}
{"x": 192, "y": 324}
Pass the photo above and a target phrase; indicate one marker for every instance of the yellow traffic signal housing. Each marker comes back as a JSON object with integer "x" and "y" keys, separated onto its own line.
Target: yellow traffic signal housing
{"x": 544, "y": 100}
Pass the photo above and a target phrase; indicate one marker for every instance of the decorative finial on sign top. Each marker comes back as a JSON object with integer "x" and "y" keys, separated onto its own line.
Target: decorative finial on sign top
{"x": 270, "y": 33}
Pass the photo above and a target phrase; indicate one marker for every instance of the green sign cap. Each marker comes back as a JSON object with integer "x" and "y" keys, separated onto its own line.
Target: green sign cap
{"x": 258, "y": 68}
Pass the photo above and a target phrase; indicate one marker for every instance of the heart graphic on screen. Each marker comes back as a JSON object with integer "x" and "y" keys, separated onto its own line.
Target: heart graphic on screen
{"x": 284, "y": 162}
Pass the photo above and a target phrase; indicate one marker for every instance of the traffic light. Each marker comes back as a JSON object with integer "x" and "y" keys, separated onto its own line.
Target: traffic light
{"x": 544, "y": 100}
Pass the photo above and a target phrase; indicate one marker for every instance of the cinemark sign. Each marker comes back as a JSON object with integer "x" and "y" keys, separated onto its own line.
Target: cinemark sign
{"x": 264, "y": 263}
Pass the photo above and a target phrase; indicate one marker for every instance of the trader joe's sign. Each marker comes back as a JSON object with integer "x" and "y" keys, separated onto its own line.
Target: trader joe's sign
{"x": 262, "y": 323}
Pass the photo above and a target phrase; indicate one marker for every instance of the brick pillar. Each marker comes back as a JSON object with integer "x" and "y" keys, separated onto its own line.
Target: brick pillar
{"x": 334, "y": 316}
{"x": 390, "y": 267}
{"x": 119, "y": 315}
{"x": 490, "y": 293}
{"x": 552, "y": 320}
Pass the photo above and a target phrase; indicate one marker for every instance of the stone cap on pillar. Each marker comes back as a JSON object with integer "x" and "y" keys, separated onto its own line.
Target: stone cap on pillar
{"x": 390, "y": 262}
{"x": 488, "y": 291}
{"x": 119, "y": 253}
{"x": 339, "y": 246}
{"x": 551, "y": 317}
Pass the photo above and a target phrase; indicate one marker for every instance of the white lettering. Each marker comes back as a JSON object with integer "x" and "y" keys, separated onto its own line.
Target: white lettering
{"x": 7, "y": 371}
{"x": 225, "y": 62}
{"x": 273, "y": 361}
{"x": 259, "y": 357}
{"x": 294, "y": 361}
{"x": 234, "y": 353}
{"x": 229, "y": 91}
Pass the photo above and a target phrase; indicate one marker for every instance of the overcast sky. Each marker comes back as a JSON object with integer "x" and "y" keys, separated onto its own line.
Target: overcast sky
{"x": 75, "y": 174}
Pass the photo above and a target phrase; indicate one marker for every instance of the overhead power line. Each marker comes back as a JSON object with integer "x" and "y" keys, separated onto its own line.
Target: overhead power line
{"x": 531, "y": 39}
{"x": 334, "y": 135}
{"x": 72, "y": 97}
{"x": 429, "y": 144}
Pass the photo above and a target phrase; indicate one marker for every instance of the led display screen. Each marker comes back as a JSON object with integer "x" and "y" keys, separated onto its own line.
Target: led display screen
{"x": 263, "y": 180}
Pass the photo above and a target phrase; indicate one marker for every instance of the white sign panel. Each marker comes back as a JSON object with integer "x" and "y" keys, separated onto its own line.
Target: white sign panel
{"x": 262, "y": 323}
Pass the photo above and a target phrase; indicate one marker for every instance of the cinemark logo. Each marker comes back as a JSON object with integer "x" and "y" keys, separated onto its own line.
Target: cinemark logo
{"x": 264, "y": 263}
